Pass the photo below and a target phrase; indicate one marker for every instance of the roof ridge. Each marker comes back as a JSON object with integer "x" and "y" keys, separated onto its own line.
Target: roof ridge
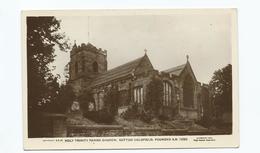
{"x": 132, "y": 61}
{"x": 119, "y": 71}
{"x": 175, "y": 67}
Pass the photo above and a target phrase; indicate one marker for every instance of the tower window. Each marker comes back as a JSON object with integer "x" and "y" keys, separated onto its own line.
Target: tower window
{"x": 76, "y": 67}
{"x": 83, "y": 66}
{"x": 95, "y": 66}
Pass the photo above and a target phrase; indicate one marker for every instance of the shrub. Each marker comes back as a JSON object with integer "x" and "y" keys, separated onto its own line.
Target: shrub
{"x": 131, "y": 112}
{"x": 163, "y": 117}
{"x": 111, "y": 100}
{"x": 146, "y": 116}
{"x": 154, "y": 96}
{"x": 101, "y": 116}
{"x": 206, "y": 122}
{"x": 63, "y": 100}
{"x": 85, "y": 99}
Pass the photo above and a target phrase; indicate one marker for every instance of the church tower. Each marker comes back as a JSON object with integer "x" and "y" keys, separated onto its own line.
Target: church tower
{"x": 86, "y": 62}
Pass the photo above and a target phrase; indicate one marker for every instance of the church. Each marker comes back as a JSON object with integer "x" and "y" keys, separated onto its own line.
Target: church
{"x": 181, "y": 90}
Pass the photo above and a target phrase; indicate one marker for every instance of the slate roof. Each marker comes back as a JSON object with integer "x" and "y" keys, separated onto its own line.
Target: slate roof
{"x": 117, "y": 72}
{"x": 176, "y": 70}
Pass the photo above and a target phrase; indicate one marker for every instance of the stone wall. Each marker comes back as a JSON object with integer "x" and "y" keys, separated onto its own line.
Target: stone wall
{"x": 54, "y": 125}
{"x": 50, "y": 125}
{"x": 94, "y": 130}
{"x": 117, "y": 131}
{"x": 110, "y": 130}
{"x": 142, "y": 131}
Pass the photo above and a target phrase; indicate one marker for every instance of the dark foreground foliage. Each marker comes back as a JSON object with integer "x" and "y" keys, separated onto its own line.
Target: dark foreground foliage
{"x": 221, "y": 88}
{"x": 101, "y": 116}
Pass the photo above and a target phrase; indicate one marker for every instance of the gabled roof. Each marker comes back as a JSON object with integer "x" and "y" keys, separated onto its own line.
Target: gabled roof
{"x": 176, "y": 70}
{"x": 118, "y": 72}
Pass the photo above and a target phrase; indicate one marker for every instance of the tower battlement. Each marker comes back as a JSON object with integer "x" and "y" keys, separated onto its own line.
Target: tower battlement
{"x": 87, "y": 47}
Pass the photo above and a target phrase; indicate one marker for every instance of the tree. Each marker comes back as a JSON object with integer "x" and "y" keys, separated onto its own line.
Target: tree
{"x": 154, "y": 96}
{"x": 111, "y": 100}
{"x": 64, "y": 99}
{"x": 103, "y": 115}
{"x": 42, "y": 35}
{"x": 85, "y": 98}
{"x": 221, "y": 88}
{"x": 51, "y": 94}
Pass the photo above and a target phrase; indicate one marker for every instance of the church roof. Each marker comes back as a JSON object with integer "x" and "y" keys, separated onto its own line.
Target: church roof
{"x": 176, "y": 70}
{"x": 118, "y": 72}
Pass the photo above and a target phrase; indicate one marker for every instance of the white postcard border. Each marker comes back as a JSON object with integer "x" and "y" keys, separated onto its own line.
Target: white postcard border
{"x": 210, "y": 141}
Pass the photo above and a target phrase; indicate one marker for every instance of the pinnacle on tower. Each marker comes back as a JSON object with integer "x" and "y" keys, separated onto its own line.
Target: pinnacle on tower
{"x": 187, "y": 57}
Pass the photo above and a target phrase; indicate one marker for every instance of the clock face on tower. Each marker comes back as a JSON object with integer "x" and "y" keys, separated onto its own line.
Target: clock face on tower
{"x": 75, "y": 106}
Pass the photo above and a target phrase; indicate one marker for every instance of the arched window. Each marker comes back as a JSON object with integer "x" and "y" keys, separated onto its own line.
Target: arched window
{"x": 95, "y": 66}
{"x": 83, "y": 66}
{"x": 138, "y": 95}
{"x": 76, "y": 67}
{"x": 167, "y": 93}
{"x": 199, "y": 100}
{"x": 188, "y": 92}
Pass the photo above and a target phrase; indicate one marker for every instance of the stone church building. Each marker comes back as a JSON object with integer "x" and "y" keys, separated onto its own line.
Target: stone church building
{"x": 181, "y": 89}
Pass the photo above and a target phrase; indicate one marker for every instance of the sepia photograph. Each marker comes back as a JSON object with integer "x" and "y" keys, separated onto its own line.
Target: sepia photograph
{"x": 133, "y": 75}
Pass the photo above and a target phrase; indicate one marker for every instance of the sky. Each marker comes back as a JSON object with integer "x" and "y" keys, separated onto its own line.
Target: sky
{"x": 205, "y": 37}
